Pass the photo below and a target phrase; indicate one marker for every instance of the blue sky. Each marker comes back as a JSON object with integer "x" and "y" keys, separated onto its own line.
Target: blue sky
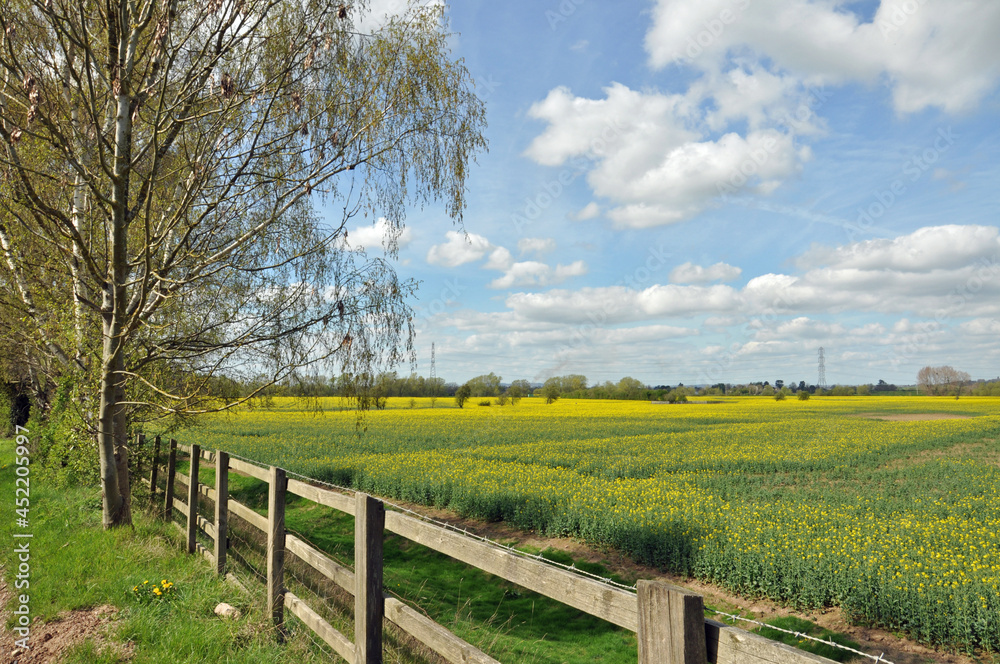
{"x": 700, "y": 191}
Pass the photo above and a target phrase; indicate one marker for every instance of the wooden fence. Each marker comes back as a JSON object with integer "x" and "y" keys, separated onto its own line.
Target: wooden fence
{"x": 668, "y": 620}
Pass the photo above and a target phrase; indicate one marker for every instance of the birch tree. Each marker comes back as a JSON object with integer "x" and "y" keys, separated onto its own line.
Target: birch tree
{"x": 169, "y": 169}
{"x": 935, "y": 381}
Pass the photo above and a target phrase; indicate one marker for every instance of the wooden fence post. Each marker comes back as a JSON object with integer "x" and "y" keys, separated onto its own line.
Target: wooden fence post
{"x": 369, "y": 605}
{"x": 140, "y": 440}
{"x": 277, "y": 485}
{"x": 168, "y": 499}
{"x": 671, "y": 625}
{"x": 221, "y": 509}
{"x": 152, "y": 472}
{"x": 192, "y": 524}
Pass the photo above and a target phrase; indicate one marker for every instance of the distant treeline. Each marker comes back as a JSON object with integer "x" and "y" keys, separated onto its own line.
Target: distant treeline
{"x": 388, "y": 384}
{"x": 572, "y": 386}
{"x": 987, "y": 389}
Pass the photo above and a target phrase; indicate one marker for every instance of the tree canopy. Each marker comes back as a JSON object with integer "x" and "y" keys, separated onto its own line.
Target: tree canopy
{"x": 169, "y": 173}
{"x": 936, "y": 381}
{"x": 487, "y": 385}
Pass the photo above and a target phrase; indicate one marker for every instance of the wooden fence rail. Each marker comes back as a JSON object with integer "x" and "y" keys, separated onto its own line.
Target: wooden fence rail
{"x": 669, "y": 621}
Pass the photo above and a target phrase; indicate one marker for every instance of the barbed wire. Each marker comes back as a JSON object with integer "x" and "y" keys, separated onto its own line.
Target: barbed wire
{"x": 880, "y": 659}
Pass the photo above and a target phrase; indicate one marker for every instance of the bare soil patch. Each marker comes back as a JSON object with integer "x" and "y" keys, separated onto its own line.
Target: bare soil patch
{"x": 913, "y": 417}
{"x": 49, "y": 642}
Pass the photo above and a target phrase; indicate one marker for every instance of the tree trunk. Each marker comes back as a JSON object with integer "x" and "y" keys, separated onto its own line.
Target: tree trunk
{"x": 122, "y": 447}
{"x": 116, "y": 509}
{"x": 113, "y": 430}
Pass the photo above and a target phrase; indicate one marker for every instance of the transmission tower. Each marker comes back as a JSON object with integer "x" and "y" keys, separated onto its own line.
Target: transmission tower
{"x": 822, "y": 369}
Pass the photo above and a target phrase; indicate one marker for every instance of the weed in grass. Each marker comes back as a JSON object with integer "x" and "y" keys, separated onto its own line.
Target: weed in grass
{"x": 145, "y": 592}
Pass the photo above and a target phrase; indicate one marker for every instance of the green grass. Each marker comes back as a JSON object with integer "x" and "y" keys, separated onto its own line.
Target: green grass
{"x": 75, "y": 564}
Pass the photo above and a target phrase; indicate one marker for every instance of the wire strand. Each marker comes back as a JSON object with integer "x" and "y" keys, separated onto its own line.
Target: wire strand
{"x": 880, "y": 659}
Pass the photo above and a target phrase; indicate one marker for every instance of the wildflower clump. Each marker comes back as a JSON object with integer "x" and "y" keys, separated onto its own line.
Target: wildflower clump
{"x": 146, "y": 592}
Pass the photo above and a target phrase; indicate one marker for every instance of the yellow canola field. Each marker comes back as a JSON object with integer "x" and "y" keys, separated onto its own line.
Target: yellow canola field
{"x": 813, "y": 503}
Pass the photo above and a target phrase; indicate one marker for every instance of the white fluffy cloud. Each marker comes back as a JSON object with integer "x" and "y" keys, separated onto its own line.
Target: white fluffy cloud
{"x": 459, "y": 249}
{"x": 596, "y": 128}
{"x": 617, "y": 304}
{"x": 927, "y": 249}
{"x": 379, "y": 234}
{"x": 500, "y": 259}
{"x": 956, "y": 275}
{"x": 649, "y": 161}
{"x": 942, "y": 54}
{"x": 761, "y": 69}
{"x": 982, "y": 327}
{"x": 590, "y": 211}
{"x": 760, "y": 97}
{"x": 535, "y": 245}
{"x": 689, "y": 273}
{"x": 533, "y": 273}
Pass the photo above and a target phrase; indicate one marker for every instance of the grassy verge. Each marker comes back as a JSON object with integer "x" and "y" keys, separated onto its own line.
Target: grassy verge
{"x": 793, "y": 624}
{"x": 801, "y": 638}
{"x": 75, "y": 564}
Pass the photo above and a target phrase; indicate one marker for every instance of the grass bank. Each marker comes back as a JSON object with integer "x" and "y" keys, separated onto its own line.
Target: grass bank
{"x": 75, "y": 565}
